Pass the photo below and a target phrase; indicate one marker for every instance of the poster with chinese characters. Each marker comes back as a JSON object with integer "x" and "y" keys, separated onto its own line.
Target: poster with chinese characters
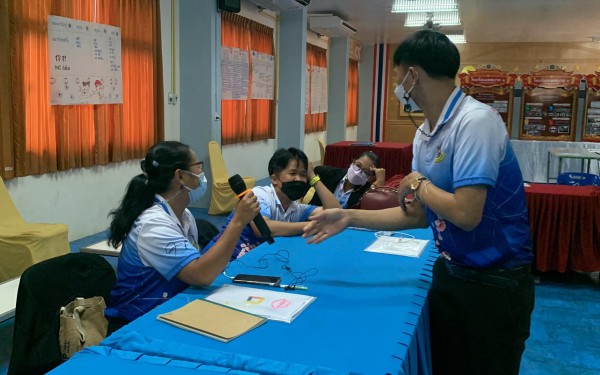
{"x": 591, "y": 127}
{"x": 548, "y": 106}
{"x": 84, "y": 62}
{"x": 492, "y": 86}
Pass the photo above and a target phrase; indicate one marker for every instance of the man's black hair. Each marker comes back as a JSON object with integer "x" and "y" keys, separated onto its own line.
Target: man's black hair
{"x": 432, "y": 51}
{"x": 282, "y": 157}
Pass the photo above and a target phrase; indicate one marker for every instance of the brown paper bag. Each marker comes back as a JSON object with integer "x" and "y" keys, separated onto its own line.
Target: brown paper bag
{"x": 82, "y": 324}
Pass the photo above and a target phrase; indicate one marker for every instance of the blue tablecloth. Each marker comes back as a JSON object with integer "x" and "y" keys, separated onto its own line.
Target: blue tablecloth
{"x": 370, "y": 315}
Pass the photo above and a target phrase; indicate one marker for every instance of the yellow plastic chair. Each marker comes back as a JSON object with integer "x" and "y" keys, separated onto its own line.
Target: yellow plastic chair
{"x": 309, "y": 195}
{"x": 322, "y": 150}
{"x": 222, "y": 199}
{"x": 23, "y": 244}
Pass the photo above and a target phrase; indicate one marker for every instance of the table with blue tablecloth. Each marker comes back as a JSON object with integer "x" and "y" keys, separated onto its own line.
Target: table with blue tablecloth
{"x": 370, "y": 316}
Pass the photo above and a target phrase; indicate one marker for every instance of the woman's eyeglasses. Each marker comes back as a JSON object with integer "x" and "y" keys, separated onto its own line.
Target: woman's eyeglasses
{"x": 200, "y": 163}
{"x": 363, "y": 172}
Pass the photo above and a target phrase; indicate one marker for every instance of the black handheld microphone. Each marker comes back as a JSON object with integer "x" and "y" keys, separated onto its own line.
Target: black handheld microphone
{"x": 239, "y": 188}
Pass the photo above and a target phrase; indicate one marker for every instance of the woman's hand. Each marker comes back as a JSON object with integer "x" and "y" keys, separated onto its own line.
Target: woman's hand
{"x": 379, "y": 176}
{"x": 246, "y": 209}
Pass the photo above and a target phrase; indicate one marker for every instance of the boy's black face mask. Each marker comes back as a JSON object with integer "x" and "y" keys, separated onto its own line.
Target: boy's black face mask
{"x": 295, "y": 189}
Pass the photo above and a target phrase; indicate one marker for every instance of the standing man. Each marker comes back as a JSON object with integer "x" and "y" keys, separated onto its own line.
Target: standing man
{"x": 467, "y": 186}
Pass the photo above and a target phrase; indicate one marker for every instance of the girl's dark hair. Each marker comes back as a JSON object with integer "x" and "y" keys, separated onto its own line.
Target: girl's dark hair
{"x": 432, "y": 51}
{"x": 282, "y": 157}
{"x": 158, "y": 168}
{"x": 373, "y": 156}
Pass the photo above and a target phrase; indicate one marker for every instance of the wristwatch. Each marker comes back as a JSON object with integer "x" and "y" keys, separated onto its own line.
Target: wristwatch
{"x": 314, "y": 181}
{"x": 416, "y": 184}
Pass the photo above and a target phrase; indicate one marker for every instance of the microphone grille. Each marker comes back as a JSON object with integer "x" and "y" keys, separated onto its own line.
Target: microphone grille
{"x": 237, "y": 184}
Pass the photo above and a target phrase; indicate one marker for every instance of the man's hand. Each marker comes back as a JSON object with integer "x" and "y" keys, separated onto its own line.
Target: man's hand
{"x": 246, "y": 209}
{"x": 325, "y": 224}
{"x": 404, "y": 189}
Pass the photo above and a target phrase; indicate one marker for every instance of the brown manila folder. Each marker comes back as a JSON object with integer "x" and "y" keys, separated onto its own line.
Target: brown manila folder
{"x": 213, "y": 320}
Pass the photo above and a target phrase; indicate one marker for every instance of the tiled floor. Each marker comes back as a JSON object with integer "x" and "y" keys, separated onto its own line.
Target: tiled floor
{"x": 565, "y": 328}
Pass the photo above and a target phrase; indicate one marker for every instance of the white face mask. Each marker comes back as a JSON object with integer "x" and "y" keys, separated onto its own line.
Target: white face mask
{"x": 404, "y": 96}
{"x": 356, "y": 176}
{"x": 198, "y": 192}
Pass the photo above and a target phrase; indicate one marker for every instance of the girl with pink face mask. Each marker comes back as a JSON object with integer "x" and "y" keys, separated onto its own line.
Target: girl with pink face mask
{"x": 348, "y": 185}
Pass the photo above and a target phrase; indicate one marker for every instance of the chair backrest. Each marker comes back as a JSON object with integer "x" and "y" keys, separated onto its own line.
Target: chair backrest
{"x": 322, "y": 150}
{"x": 8, "y": 211}
{"x": 44, "y": 288}
{"x": 217, "y": 163}
{"x": 578, "y": 179}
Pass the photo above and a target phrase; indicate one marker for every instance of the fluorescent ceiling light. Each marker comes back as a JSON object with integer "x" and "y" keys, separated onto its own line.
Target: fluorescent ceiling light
{"x": 408, "y": 6}
{"x": 441, "y": 18}
{"x": 457, "y": 38}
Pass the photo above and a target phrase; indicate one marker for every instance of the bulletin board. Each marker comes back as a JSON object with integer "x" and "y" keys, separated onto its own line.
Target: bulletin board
{"x": 548, "y": 105}
{"x": 492, "y": 86}
{"x": 591, "y": 118}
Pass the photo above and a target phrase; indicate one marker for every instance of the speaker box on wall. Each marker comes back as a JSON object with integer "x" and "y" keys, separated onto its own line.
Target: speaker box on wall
{"x": 232, "y": 6}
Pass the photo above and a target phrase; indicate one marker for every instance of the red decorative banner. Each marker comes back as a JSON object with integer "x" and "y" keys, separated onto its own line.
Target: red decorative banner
{"x": 487, "y": 78}
{"x": 492, "y": 86}
{"x": 593, "y": 81}
{"x": 551, "y": 77}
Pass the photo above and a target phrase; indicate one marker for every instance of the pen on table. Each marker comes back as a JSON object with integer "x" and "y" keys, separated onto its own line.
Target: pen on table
{"x": 293, "y": 287}
{"x": 362, "y": 229}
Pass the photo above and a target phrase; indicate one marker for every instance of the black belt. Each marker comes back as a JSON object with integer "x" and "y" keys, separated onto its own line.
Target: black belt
{"x": 502, "y": 278}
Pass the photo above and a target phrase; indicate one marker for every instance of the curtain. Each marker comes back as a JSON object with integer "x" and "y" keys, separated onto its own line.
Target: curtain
{"x": 6, "y": 132}
{"x": 49, "y": 138}
{"x": 352, "y": 103}
{"x": 251, "y": 119}
{"x": 314, "y": 122}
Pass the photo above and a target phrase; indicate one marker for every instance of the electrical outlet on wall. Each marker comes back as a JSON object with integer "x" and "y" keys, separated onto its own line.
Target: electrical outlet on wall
{"x": 173, "y": 98}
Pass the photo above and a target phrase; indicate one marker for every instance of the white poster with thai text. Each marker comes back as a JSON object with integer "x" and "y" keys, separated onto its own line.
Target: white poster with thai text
{"x": 318, "y": 90}
{"x": 307, "y": 91}
{"x": 324, "y": 97}
{"x": 235, "y": 71}
{"x": 84, "y": 62}
{"x": 263, "y": 75}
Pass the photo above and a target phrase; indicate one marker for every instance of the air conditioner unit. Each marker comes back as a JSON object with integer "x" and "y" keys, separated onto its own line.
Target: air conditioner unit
{"x": 330, "y": 25}
{"x": 281, "y": 5}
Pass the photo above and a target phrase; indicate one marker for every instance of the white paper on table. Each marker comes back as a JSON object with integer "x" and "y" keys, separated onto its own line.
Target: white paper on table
{"x": 408, "y": 247}
{"x": 280, "y": 306}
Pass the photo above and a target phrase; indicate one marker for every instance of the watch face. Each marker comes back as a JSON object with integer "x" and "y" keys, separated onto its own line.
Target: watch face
{"x": 415, "y": 185}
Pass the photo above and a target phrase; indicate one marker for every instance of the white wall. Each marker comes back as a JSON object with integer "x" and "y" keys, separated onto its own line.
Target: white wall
{"x": 82, "y": 198}
{"x": 311, "y": 146}
{"x": 351, "y": 133}
{"x": 172, "y": 112}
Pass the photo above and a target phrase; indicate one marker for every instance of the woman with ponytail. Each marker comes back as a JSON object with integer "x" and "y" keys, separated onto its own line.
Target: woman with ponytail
{"x": 160, "y": 255}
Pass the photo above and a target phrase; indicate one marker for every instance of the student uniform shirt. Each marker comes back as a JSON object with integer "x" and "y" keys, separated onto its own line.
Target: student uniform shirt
{"x": 470, "y": 146}
{"x": 157, "y": 247}
{"x": 271, "y": 208}
{"x": 341, "y": 195}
